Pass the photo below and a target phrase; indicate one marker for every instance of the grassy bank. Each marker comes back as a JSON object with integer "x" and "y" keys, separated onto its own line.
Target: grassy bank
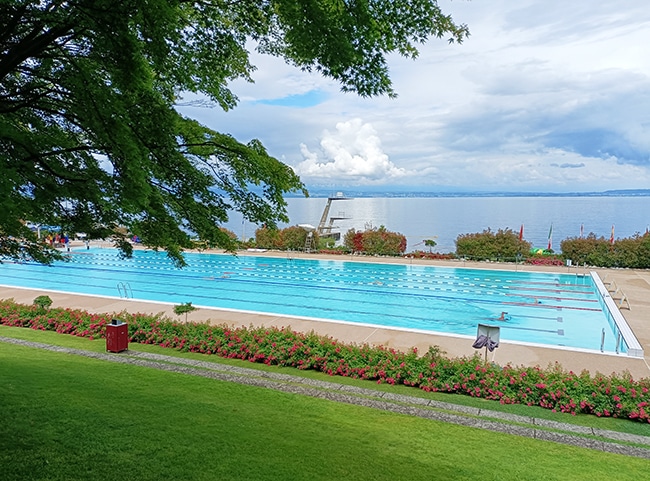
{"x": 66, "y": 417}
{"x": 99, "y": 345}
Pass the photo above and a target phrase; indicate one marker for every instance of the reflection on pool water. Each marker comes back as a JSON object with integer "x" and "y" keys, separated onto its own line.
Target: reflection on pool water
{"x": 552, "y": 309}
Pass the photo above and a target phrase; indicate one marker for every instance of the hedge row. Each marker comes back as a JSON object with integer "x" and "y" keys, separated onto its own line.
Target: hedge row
{"x": 551, "y": 388}
{"x": 630, "y": 252}
{"x": 502, "y": 245}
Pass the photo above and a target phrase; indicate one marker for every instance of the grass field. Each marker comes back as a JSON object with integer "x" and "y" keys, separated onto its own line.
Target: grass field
{"x": 68, "y": 417}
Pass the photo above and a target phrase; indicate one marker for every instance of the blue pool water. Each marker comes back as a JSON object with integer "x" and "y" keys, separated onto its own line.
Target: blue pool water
{"x": 552, "y": 309}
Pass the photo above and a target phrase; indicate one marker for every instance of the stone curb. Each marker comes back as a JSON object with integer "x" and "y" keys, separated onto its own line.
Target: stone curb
{"x": 456, "y": 414}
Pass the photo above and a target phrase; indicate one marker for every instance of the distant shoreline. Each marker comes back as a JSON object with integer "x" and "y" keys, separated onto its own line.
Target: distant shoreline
{"x": 351, "y": 193}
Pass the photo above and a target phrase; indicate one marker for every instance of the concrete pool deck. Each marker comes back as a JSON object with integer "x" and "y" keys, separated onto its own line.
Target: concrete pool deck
{"x": 635, "y": 284}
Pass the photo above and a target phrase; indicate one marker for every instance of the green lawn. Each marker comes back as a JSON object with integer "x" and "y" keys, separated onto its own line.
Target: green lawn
{"x": 68, "y": 417}
{"x": 99, "y": 345}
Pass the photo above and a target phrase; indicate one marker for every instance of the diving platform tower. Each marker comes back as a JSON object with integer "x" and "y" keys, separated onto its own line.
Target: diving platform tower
{"x": 325, "y": 228}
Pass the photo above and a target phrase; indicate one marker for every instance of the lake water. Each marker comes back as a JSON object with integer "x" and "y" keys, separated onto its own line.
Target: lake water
{"x": 444, "y": 218}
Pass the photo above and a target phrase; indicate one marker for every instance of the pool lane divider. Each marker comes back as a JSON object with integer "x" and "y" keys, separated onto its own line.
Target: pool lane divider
{"x": 559, "y": 332}
{"x": 552, "y": 297}
{"x": 558, "y": 284}
{"x": 537, "y": 289}
{"x": 548, "y": 306}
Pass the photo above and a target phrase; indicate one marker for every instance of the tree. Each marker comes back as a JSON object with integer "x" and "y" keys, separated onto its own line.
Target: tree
{"x": 267, "y": 238}
{"x": 185, "y": 308}
{"x": 89, "y": 137}
{"x": 294, "y": 238}
{"x": 43, "y": 303}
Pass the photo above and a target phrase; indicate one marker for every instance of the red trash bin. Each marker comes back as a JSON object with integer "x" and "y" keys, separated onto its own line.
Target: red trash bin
{"x": 117, "y": 336}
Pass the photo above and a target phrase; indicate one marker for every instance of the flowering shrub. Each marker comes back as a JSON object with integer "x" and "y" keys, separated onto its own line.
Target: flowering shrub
{"x": 551, "y": 388}
{"x": 334, "y": 252}
{"x": 375, "y": 241}
{"x": 430, "y": 255}
{"x": 544, "y": 261}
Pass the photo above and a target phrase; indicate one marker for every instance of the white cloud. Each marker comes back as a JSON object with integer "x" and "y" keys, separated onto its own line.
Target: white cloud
{"x": 538, "y": 85}
{"x": 351, "y": 154}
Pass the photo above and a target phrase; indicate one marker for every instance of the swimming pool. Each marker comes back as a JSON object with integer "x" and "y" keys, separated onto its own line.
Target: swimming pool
{"x": 549, "y": 309}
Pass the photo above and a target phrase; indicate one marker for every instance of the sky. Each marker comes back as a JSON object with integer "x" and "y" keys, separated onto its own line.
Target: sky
{"x": 544, "y": 96}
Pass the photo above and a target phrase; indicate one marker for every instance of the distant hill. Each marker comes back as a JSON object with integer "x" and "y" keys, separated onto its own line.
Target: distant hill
{"x": 627, "y": 192}
{"x": 357, "y": 192}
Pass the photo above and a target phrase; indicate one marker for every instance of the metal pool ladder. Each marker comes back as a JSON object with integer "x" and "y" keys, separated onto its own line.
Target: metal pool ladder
{"x": 124, "y": 289}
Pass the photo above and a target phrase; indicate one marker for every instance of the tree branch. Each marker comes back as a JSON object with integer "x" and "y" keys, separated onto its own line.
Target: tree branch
{"x": 13, "y": 22}
{"x": 31, "y": 46}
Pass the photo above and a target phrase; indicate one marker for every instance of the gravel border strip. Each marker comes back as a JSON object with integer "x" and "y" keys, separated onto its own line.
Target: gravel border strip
{"x": 456, "y": 414}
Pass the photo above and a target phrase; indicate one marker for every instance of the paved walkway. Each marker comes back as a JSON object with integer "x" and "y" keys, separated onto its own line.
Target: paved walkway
{"x": 635, "y": 284}
{"x": 585, "y": 437}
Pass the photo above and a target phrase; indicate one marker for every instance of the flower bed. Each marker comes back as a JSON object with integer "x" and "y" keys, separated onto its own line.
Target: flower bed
{"x": 544, "y": 261}
{"x": 551, "y": 388}
{"x": 333, "y": 252}
{"x": 429, "y": 255}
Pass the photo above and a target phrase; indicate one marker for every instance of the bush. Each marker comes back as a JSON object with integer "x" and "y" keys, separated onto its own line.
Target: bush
{"x": 43, "y": 302}
{"x": 289, "y": 238}
{"x": 267, "y": 238}
{"x": 294, "y": 238}
{"x": 353, "y": 240}
{"x": 503, "y": 245}
{"x": 579, "y": 249}
{"x": 632, "y": 252}
{"x": 329, "y": 243}
{"x": 375, "y": 241}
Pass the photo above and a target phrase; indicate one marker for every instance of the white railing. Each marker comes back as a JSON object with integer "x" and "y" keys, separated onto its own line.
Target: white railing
{"x": 634, "y": 348}
{"x": 124, "y": 289}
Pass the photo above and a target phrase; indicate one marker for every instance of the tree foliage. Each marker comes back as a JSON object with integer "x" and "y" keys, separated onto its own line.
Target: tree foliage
{"x": 430, "y": 243}
{"x": 185, "y": 308}
{"x": 89, "y": 137}
{"x": 43, "y": 302}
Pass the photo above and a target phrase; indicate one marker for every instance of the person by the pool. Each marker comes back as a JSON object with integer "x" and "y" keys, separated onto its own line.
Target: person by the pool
{"x": 504, "y": 316}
